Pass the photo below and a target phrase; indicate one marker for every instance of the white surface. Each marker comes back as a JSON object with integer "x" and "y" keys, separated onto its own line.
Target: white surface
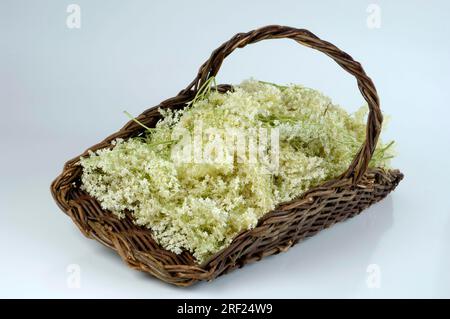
{"x": 62, "y": 90}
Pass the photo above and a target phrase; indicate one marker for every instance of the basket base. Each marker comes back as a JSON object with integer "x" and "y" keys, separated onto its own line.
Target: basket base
{"x": 276, "y": 232}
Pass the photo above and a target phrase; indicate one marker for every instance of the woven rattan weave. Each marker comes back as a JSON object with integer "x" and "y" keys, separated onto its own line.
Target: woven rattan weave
{"x": 319, "y": 208}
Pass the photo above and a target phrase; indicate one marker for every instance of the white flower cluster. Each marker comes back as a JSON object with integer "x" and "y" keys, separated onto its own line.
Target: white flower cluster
{"x": 201, "y": 207}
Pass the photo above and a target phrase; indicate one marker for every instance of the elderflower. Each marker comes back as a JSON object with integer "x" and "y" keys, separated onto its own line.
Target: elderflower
{"x": 201, "y": 207}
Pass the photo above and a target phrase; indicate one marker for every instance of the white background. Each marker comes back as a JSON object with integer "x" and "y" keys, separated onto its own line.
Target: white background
{"x": 62, "y": 90}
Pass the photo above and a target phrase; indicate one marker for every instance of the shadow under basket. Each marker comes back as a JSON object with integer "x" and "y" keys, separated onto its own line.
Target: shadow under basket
{"x": 278, "y": 230}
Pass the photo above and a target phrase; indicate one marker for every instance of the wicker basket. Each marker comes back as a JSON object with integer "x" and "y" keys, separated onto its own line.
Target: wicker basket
{"x": 319, "y": 208}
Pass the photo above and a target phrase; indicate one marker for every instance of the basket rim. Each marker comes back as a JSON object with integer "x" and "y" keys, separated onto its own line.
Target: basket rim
{"x": 208, "y": 270}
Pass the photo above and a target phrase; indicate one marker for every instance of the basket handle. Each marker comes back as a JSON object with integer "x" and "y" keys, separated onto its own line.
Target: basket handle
{"x": 361, "y": 161}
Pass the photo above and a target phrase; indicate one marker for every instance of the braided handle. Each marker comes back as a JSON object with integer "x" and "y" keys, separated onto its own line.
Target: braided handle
{"x": 361, "y": 161}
